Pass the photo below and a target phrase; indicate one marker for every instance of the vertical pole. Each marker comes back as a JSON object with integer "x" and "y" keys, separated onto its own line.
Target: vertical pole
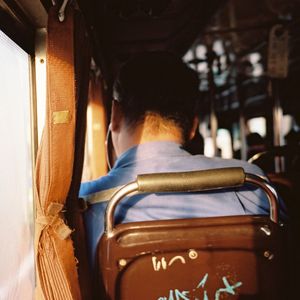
{"x": 242, "y": 119}
{"x": 241, "y": 100}
{"x": 243, "y": 133}
{"x": 212, "y": 95}
{"x": 277, "y": 122}
{"x": 278, "y": 52}
{"x": 213, "y": 126}
{"x": 233, "y": 24}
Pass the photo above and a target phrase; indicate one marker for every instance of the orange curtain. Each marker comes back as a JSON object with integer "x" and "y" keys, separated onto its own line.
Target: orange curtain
{"x": 55, "y": 261}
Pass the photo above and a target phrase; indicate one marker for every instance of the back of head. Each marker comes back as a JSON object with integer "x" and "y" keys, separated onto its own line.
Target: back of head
{"x": 158, "y": 83}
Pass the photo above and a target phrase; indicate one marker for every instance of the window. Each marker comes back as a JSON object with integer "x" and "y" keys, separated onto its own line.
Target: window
{"x": 258, "y": 125}
{"x": 224, "y": 143}
{"x": 16, "y": 181}
{"x": 287, "y": 127}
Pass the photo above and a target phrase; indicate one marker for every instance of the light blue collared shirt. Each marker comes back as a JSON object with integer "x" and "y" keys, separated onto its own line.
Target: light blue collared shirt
{"x": 155, "y": 157}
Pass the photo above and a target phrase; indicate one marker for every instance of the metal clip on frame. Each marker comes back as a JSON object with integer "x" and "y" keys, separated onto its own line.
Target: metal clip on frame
{"x": 194, "y": 181}
{"x": 61, "y": 12}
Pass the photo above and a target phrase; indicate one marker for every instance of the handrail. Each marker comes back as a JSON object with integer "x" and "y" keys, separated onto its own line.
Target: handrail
{"x": 205, "y": 180}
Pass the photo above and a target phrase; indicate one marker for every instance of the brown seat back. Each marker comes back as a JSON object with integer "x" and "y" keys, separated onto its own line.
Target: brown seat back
{"x": 239, "y": 257}
{"x": 224, "y": 258}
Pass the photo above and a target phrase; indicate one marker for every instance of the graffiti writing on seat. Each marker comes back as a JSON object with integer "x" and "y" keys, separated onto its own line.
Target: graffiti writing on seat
{"x": 177, "y": 294}
{"x": 163, "y": 264}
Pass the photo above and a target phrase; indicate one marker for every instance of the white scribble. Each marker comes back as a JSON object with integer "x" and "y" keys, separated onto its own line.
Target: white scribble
{"x": 157, "y": 265}
{"x": 176, "y": 258}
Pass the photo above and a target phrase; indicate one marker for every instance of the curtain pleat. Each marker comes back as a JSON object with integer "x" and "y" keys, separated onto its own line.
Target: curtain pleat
{"x": 55, "y": 261}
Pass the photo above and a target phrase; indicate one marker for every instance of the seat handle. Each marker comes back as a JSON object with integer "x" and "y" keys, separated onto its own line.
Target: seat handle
{"x": 194, "y": 181}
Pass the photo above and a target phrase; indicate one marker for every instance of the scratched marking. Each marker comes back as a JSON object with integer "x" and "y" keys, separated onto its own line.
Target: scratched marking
{"x": 159, "y": 264}
{"x": 176, "y": 258}
{"x": 162, "y": 263}
{"x": 177, "y": 294}
{"x": 228, "y": 288}
{"x": 184, "y": 295}
{"x": 203, "y": 281}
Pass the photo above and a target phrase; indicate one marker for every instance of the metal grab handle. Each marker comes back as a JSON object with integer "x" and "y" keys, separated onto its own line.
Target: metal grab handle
{"x": 194, "y": 181}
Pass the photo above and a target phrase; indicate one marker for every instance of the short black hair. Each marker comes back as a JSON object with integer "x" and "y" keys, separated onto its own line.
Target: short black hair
{"x": 158, "y": 82}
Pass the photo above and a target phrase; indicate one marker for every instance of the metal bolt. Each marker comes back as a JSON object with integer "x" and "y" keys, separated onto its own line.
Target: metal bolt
{"x": 266, "y": 230}
{"x": 193, "y": 254}
{"x": 122, "y": 262}
{"x": 269, "y": 255}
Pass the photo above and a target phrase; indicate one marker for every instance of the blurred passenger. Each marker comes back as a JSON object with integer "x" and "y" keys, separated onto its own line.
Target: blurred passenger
{"x": 292, "y": 138}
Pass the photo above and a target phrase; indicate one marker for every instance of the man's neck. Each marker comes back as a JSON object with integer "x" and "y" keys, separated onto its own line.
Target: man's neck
{"x": 146, "y": 132}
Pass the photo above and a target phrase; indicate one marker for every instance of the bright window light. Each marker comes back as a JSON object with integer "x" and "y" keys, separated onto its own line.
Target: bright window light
{"x": 208, "y": 147}
{"x": 201, "y": 51}
{"x": 254, "y": 57}
{"x": 258, "y": 125}
{"x": 218, "y": 47}
{"x": 188, "y": 56}
{"x": 224, "y": 143}
{"x": 287, "y": 124}
{"x": 16, "y": 214}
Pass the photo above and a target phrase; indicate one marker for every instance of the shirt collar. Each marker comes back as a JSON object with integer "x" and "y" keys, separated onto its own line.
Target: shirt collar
{"x": 149, "y": 150}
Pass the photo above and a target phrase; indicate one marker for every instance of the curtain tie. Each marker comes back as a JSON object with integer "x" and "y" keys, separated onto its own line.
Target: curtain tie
{"x": 53, "y": 219}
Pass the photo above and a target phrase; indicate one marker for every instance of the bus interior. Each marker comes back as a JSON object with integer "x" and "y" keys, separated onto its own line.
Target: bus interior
{"x": 58, "y": 62}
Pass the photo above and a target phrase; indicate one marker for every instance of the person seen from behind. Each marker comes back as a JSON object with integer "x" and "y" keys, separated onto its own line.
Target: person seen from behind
{"x": 153, "y": 116}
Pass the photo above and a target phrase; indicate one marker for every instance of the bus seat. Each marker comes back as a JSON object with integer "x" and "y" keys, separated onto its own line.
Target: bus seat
{"x": 238, "y": 257}
{"x": 266, "y": 160}
{"x": 287, "y": 183}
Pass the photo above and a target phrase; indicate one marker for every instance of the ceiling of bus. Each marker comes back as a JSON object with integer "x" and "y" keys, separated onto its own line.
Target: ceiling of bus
{"x": 121, "y": 28}
{"x": 157, "y": 24}
{"x": 126, "y": 27}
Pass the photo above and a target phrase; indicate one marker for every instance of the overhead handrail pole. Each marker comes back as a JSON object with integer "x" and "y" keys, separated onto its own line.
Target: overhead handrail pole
{"x": 205, "y": 180}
